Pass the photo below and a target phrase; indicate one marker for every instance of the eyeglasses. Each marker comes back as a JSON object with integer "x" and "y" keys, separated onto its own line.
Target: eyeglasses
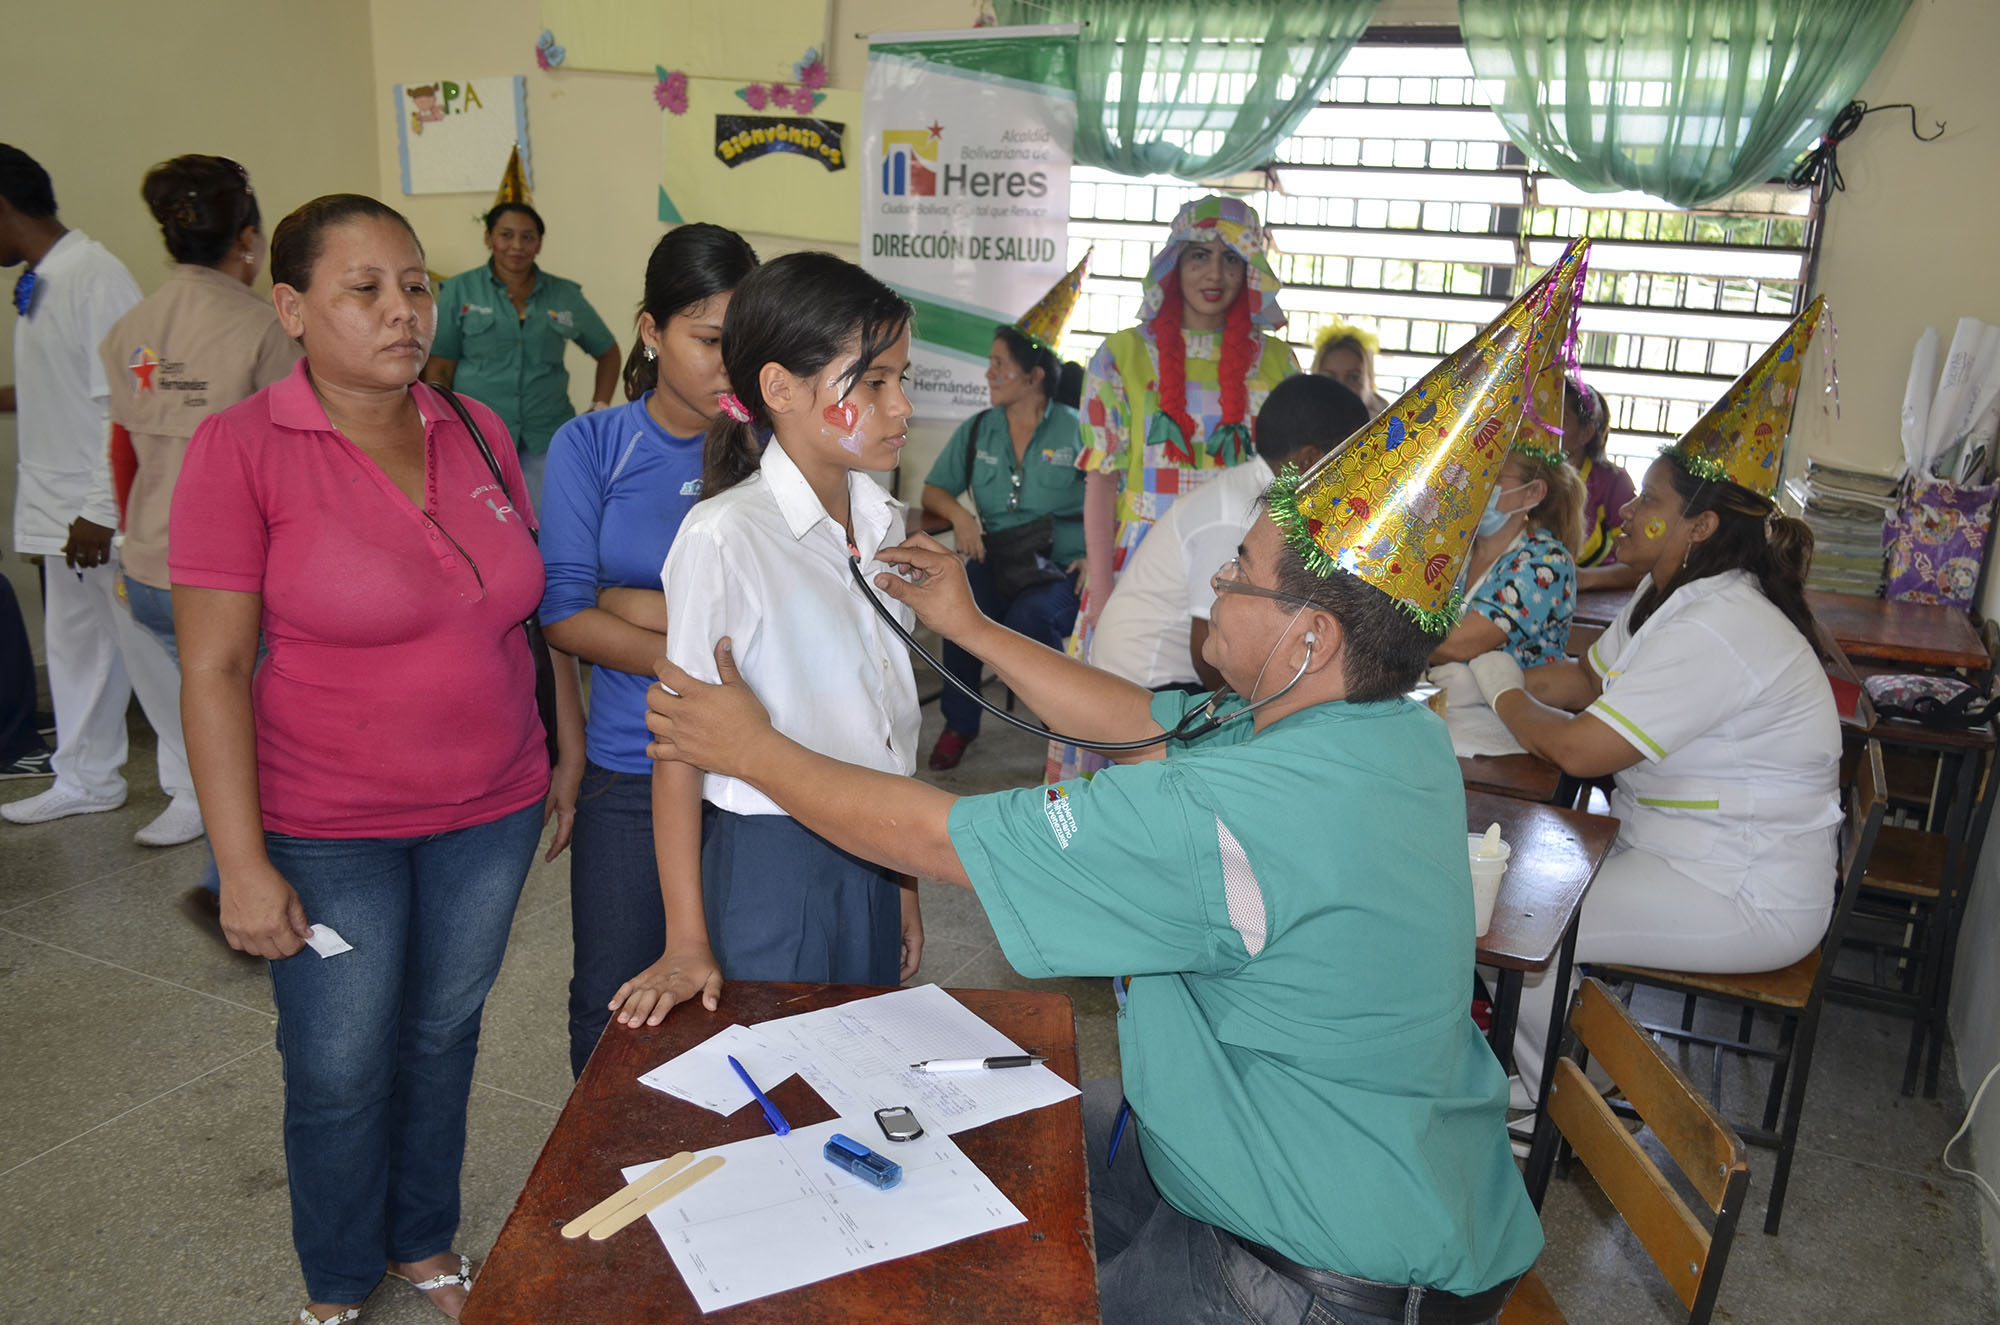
{"x": 1229, "y": 579}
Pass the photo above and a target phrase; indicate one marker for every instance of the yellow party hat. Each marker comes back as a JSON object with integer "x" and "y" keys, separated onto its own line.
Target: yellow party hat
{"x": 1396, "y": 504}
{"x": 1043, "y": 324}
{"x": 514, "y": 182}
{"x": 1554, "y": 357}
{"x": 1741, "y": 439}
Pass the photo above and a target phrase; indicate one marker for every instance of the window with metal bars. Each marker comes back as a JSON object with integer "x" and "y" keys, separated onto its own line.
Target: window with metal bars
{"x": 1400, "y": 205}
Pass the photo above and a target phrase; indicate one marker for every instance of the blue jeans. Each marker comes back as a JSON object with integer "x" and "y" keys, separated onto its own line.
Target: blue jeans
{"x": 616, "y": 917}
{"x": 1045, "y": 613}
{"x": 533, "y": 465}
{"x": 153, "y": 609}
{"x": 1155, "y": 1263}
{"x": 378, "y": 1043}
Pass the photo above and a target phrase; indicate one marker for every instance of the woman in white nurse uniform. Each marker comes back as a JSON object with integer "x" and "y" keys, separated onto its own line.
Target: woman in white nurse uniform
{"x": 1706, "y": 704}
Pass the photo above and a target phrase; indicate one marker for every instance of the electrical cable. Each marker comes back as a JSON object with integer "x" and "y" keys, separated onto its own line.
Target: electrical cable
{"x": 1965, "y": 1126}
{"x": 1203, "y": 718}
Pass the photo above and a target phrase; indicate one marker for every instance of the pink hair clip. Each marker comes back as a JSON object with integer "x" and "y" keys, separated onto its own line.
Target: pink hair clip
{"x": 733, "y": 407}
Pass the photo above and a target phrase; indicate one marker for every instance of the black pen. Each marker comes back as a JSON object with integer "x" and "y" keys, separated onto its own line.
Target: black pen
{"x": 974, "y": 1064}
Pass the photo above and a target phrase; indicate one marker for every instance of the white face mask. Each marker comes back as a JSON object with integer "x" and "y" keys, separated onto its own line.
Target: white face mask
{"x": 1495, "y": 519}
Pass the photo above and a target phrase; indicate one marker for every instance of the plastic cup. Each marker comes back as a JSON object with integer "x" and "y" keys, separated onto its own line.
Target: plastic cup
{"x": 1487, "y": 871}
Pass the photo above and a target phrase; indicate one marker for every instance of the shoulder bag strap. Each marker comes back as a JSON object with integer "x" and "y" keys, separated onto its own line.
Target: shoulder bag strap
{"x": 479, "y": 440}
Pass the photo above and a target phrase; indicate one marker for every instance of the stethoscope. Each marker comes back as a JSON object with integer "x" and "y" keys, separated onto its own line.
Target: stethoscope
{"x": 1197, "y": 723}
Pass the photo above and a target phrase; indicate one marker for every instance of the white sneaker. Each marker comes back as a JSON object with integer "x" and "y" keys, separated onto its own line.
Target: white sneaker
{"x": 179, "y": 822}
{"x": 58, "y": 802}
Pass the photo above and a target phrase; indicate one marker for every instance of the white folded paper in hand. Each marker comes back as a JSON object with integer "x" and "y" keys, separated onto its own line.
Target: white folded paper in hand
{"x": 326, "y": 943}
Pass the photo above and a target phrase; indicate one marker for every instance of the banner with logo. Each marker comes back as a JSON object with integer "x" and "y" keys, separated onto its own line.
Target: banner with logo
{"x": 965, "y": 159}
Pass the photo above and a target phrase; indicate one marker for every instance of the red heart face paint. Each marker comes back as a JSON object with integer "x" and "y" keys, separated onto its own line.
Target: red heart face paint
{"x": 1654, "y": 528}
{"x": 842, "y": 416}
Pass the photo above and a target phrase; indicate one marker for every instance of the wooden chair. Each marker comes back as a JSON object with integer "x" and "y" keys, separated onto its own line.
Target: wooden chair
{"x": 1795, "y": 994}
{"x": 1921, "y": 876}
{"x": 1705, "y": 1148}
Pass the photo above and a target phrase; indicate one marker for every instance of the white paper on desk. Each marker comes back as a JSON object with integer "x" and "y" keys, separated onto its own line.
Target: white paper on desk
{"x": 703, "y": 1076}
{"x": 859, "y": 1057}
{"x": 780, "y": 1192}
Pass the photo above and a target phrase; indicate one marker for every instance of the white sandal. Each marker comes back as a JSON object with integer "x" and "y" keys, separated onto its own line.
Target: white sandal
{"x": 306, "y": 1317}
{"x": 463, "y": 1279}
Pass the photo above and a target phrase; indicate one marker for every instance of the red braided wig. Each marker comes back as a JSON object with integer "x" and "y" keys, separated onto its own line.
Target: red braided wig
{"x": 1173, "y": 357}
{"x": 1239, "y": 347}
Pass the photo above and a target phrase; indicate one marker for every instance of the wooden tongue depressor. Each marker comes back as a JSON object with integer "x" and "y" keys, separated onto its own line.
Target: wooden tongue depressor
{"x": 657, "y": 1196}
{"x": 632, "y": 1191}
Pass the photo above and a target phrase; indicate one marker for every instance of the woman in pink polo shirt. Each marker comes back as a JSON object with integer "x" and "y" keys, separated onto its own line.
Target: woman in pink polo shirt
{"x": 382, "y": 775}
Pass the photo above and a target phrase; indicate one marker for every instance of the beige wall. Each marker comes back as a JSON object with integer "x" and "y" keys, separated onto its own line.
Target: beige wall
{"x": 595, "y": 144}
{"x": 98, "y": 92}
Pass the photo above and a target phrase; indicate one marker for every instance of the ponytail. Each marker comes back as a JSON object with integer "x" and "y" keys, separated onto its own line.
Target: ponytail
{"x": 1560, "y": 511}
{"x": 1752, "y": 535}
{"x": 729, "y": 453}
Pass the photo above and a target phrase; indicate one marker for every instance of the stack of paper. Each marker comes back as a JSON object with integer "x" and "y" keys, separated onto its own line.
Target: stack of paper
{"x": 781, "y": 1192}
{"x": 1847, "y": 510}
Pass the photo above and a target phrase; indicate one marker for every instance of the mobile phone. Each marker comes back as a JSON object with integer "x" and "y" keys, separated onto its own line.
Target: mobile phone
{"x": 899, "y": 1124}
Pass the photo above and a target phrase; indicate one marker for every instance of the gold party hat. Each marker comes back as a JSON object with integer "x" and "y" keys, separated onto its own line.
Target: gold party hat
{"x": 514, "y": 182}
{"x": 1396, "y": 504}
{"x": 1742, "y": 439}
{"x": 1043, "y": 324}
{"x": 1554, "y": 356}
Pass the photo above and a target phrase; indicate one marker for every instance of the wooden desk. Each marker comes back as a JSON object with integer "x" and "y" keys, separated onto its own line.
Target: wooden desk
{"x": 1556, "y": 853}
{"x": 1042, "y": 1270}
{"x": 1523, "y": 776}
{"x": 1922, "y": 634}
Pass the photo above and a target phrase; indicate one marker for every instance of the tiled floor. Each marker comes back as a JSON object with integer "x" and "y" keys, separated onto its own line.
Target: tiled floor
{"x": 141, "y": 1176}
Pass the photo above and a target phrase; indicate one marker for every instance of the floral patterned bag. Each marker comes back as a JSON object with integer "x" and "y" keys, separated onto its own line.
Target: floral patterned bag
{"x": 1935, "y": 701}
{"x": 1936, "y": 541}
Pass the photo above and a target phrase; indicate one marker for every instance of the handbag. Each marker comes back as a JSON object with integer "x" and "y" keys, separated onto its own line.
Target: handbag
{"x": 538, "y": 648}
{"x": 1016, "y": 558}
{"x": 1934, "y": 701}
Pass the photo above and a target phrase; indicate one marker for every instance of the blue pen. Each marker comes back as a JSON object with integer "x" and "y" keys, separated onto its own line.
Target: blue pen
{"x": 1117, "y": 1132}
{"x": 771, "y": 1114}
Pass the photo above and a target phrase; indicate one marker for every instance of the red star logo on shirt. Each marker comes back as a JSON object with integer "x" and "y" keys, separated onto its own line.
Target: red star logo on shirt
{"x": 143, "y": 364}
{"x": 936, "y": 129}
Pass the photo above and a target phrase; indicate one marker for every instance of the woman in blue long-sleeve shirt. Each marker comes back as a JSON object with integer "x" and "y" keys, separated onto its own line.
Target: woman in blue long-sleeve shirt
{"x": 618, "y": 483}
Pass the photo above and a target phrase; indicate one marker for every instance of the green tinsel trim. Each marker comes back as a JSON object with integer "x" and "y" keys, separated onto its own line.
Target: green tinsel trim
{"x": 1283, "y": 503}
{"x": 1548, "y": 456}
{"x": 1436, "y": 620}
{"x": 1701, "y": 466}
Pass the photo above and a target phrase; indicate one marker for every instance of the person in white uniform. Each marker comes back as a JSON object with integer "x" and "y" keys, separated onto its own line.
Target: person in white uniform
{"x": 1707, "y": 705}
{"x": 1155, "y": 622}
{"x": 67, "y": 300}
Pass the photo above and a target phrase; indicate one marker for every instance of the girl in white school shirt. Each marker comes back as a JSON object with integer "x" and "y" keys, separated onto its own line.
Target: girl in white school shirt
{"x": 815, "y": 349}
{"x": 1706, "y": 703}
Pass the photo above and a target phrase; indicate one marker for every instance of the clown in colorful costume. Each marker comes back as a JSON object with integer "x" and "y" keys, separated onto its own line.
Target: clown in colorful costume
{"x": 1168, "y": 404}
{"x": 1150, "y": 441}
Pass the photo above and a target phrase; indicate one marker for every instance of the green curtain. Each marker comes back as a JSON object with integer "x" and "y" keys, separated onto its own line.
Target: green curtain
{"x": 1688, "y": 100}
{"x": 1196, "y": 88}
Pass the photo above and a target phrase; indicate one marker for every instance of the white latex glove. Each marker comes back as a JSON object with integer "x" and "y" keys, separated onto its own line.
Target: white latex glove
{"x": 1497, "y": 673}
{"x": 1460, "y": 689}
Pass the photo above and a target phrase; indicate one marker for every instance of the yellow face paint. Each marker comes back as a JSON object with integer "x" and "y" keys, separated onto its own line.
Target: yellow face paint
{"x": 1654, "y": 528}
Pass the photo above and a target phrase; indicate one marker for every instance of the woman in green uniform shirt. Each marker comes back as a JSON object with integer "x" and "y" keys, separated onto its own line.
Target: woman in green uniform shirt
{"x": 514, "y": 365}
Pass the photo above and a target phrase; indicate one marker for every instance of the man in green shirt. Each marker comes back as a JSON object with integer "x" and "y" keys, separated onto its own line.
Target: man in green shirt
{"x": 1318, "y": 1127}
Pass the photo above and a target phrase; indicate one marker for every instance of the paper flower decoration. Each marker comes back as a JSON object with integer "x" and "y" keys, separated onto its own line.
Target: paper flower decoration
{"x": 670, "y": 91}
{"x": 754, "y": 94}
{"x": 810, "y": 70}
{"x": 805, "y": 99}
{"x": 547, "y": 54}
